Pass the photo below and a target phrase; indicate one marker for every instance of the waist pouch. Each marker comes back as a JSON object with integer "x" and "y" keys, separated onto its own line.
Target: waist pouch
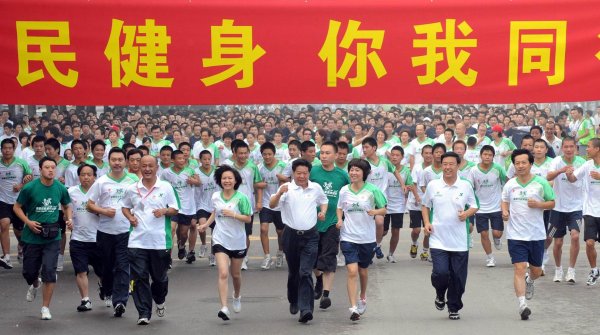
{"x": 50, "y": 231}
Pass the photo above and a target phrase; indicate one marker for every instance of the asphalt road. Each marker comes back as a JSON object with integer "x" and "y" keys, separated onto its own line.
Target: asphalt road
{"x": 400, "y": 301}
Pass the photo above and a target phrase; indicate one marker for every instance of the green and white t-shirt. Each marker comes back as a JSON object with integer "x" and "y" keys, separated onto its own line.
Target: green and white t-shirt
{"x": 108, "y": 193}
{"x": 331, "y": 182}
{"x": 156, "y": 146}
{"x": 270, "y": 177}
{"x": 151, "y": 232}
{"x": 542, "y": 169}
{"x": 71, "y": 177}
{"x": 34, "y": 167}
{"x": 526, "y": 224}
{"x": 281, "y": 152}
{"x": 395, "y": 195}
{"x": 504, "y": 146}
{"x": 199, "y": 147}
{"x": 229, "y": 232}
{"x": 250, "y": 175}
{"x": 379, "y": 173}
{"x": 568, "y": 195}
{"x": 42, "y": 203}
{"x": 488, "y": 187}
{"x": 101, "y": 169}
{"x": 203, "y": 193}
{"x": 416, "y": 146}
{"x": 429, "y": 174}
{"x": 185, "y": 191}
{"x": 61, "y": 168}
{"x": 465, "y": 171}
{"x": 591, "y": 205}
{"x": 359, "y": 226}
{"x": 85, "y": 224}
{"x": 586, "y": 124}
{"x": 10, "y": 175}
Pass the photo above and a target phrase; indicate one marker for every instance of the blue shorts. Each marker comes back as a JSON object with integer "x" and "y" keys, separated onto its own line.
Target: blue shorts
{"x": 484, "y": 220}
{"x": 358, "y": 253}
{"x": 526, "y": 251}
{"x": 560, "y": 221}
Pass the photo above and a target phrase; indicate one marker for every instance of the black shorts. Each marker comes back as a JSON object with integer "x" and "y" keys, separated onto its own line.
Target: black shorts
{"x": 202, "y": 214}
{"x": 6, "y": 211}
{"x": 329, "y": 243}
{"x": 84, "y": 254}
{"x": 268, "y": 215}
{"x": 416, "y": 219}
{"x": 183, "y": 219}
{"x": 231, "y": 253}
{"x": 40, "y": 257}
{"x": 248, "y": 226}
{"x": 591, "y": 229}
{"x": 484, "y": 220}
{"x": 396, "y": 219}
{"x": 560, "y": 221}
{"x": 547, "y": 219}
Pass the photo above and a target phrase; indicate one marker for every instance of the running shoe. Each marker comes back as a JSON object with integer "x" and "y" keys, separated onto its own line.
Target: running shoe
{"x": 391, "y": 259}
{"x": 325, "y": 302}
{"x": 224, "y": 313}
{"x": 191, "y": 257}
{"x": 440, "y": 304}
{"x": 181, "y": 253}
{"x": 592, "y": 277}
{"x": 202, "y": 252}
{"x": 424, "y": 256}
{"x": 60, "y": 264}
{"x": 529, "y": 288}
{"x": 108, "y": 301}
{"x": 524, "y": 312}
{"x": 160, "y": 310}
{"x": 558, "y": 275}
{"x": 32, "y": 292}
{"x": 354, "y": 314}
{"x": 237, "y": 304}
{"x": 490, "y": 263}
{"x": 362, "y": 306}
{"x": 245, "y": 263}
{"x": 341, "y": 261}
{"x": 46, "y": 313}
{"x": 5, "y": 263}
{"x": 143, "y": 321}
{"x": 378, "y": 252}
{"x": 413, "y": 251}
{"x": 211, "y": 260}
{"x": 100, "y": 291}
{"x": 570, "y": 277}
{"x": 453, "y": 315}
{"x": 305, "y": 316}
{"x": 498, "y": 243}
{"x": 20, "y": 253}
{"x": 85, "y": 306}
{"x": 266, "y": 263}
{"x": 279, "y": 259}
{"x": 119, "y": 310}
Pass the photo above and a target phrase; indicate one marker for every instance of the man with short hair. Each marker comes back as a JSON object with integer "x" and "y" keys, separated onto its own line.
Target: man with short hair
{"x": 149, "y": 205}
{"x": 37, "y": 206}
{"x": 79, "y": 149}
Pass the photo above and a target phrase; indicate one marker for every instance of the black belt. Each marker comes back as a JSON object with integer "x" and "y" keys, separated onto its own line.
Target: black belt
{"x": 303, "y": 232}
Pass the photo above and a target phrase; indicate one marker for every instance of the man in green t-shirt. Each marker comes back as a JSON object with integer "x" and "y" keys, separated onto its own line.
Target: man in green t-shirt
{"x": 38, "y": 207}
{"x": 331, "y": 179}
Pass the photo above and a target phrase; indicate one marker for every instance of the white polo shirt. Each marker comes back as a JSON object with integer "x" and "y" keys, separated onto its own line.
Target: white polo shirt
{"x": 85, "y": 224}
{"x": 444, "y": 202}
{"x": 299, "y": 205}
{"x": 108, "y": 193}
{"x": 526, "y": 224}
{"x": 151, "y": 232}
{"x": 591, "y": 204}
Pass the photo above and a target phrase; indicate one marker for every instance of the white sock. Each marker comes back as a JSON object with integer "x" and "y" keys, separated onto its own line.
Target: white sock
{"x": 559, "y": 268}
{"x": 571, "y": 269}
{"x": 267, "y": 255}
{"x": 528, "y": 280}
{"x": 7, "y": 257}
{"x": 522, "y": 300}
{"x": 595, "y": 269}
{"x": 415, "y": 243}
{"x": 490, "y": 256}
{"x": 425, "y": 249}
{"x": 86, "y": 298}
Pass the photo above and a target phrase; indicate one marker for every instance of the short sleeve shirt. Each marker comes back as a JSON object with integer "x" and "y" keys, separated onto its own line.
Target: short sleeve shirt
{"x": 359, "y": 226}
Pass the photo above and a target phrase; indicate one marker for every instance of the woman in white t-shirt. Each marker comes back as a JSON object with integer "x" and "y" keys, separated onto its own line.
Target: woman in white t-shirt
{"x": 231, "y": 211}
{"x": 357, "y": 206}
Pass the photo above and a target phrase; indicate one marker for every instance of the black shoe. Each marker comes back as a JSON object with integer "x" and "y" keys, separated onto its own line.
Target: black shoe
{"x": 325, "y": 303}
{"x": 100, "y": 292}
{"x": 440, "y": 303}
{"x": 85, "y": 306}
{"x": 293, "y": 309}
{"x": 319, "y": 287}
{"x": 525, "y": 313}
{"x": 453, "y": 316}
{"x": 119, "y": 310}
{"x": 191, "y": 257}
{"x": 305, "y": 316}
{"x": 181, "y": 253}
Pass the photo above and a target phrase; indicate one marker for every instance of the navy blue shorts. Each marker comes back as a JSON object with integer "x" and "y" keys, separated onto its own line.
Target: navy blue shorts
{"x": 484, "y": 220}
{"x": 526, "y": 251}
{"x": 361, "y": 253}
{"x": 560, "y": 221}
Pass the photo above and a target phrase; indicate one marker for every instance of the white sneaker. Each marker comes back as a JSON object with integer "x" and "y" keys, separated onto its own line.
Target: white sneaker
{"x": 211, "y": 260}
{"x": 529, "y": 287}
{"x": 266, "y": 263}
{"x": 497, "y": 243}
{"x": 20, "y": 253}
{"x": 143, "y": 321}
{"x": 391, "y": 259}
{"x": 354, "y": 314}
{"x": 32, "y": 292}
{"x": 245, "y": 263}
{"x": 108, "y": 301}
{"x": 202, "y": 251}
{"x": 237, "y": 304}
{"x": 46, "y": 313}
{"x": 340, "y": 260}
{"x": 558, "y": 275}
{"x": 570, "y": 277}
{"x": 60, "y": 264}
{"x": 546, "y": 257}
{"x": 279, "y": 259}
{"x": 224, "y": 313}
{"x": 524, "y": 312}
{"x": 362, "y": 306}
{"x": 6, "y": 263}
{"x": 490, "y": 263}
{"x": 592, "y": 278}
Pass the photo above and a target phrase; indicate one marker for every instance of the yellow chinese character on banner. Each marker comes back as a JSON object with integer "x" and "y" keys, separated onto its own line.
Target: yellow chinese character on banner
{"x": 28, "y": 40}
{"x": 537, "y": 40}
{"x": 232, "y": 46}
{"x": 456, "y": 61}
{"x": 145, "y": 52}
{"x": 598, "y": 54}
{"x": 359, "y": 59}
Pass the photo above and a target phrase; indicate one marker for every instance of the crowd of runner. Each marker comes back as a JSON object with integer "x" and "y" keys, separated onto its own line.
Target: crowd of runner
{"x": 131, "y": 190}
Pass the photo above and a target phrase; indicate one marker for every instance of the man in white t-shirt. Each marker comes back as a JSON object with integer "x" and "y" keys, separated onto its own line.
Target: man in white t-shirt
{"x": 149, "y": 205}
{"x": 450, "y": 201}
{"x": 524, "y": 200}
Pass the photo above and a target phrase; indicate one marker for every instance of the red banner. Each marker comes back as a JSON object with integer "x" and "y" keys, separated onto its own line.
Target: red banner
{"x": 87, "y": 52}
